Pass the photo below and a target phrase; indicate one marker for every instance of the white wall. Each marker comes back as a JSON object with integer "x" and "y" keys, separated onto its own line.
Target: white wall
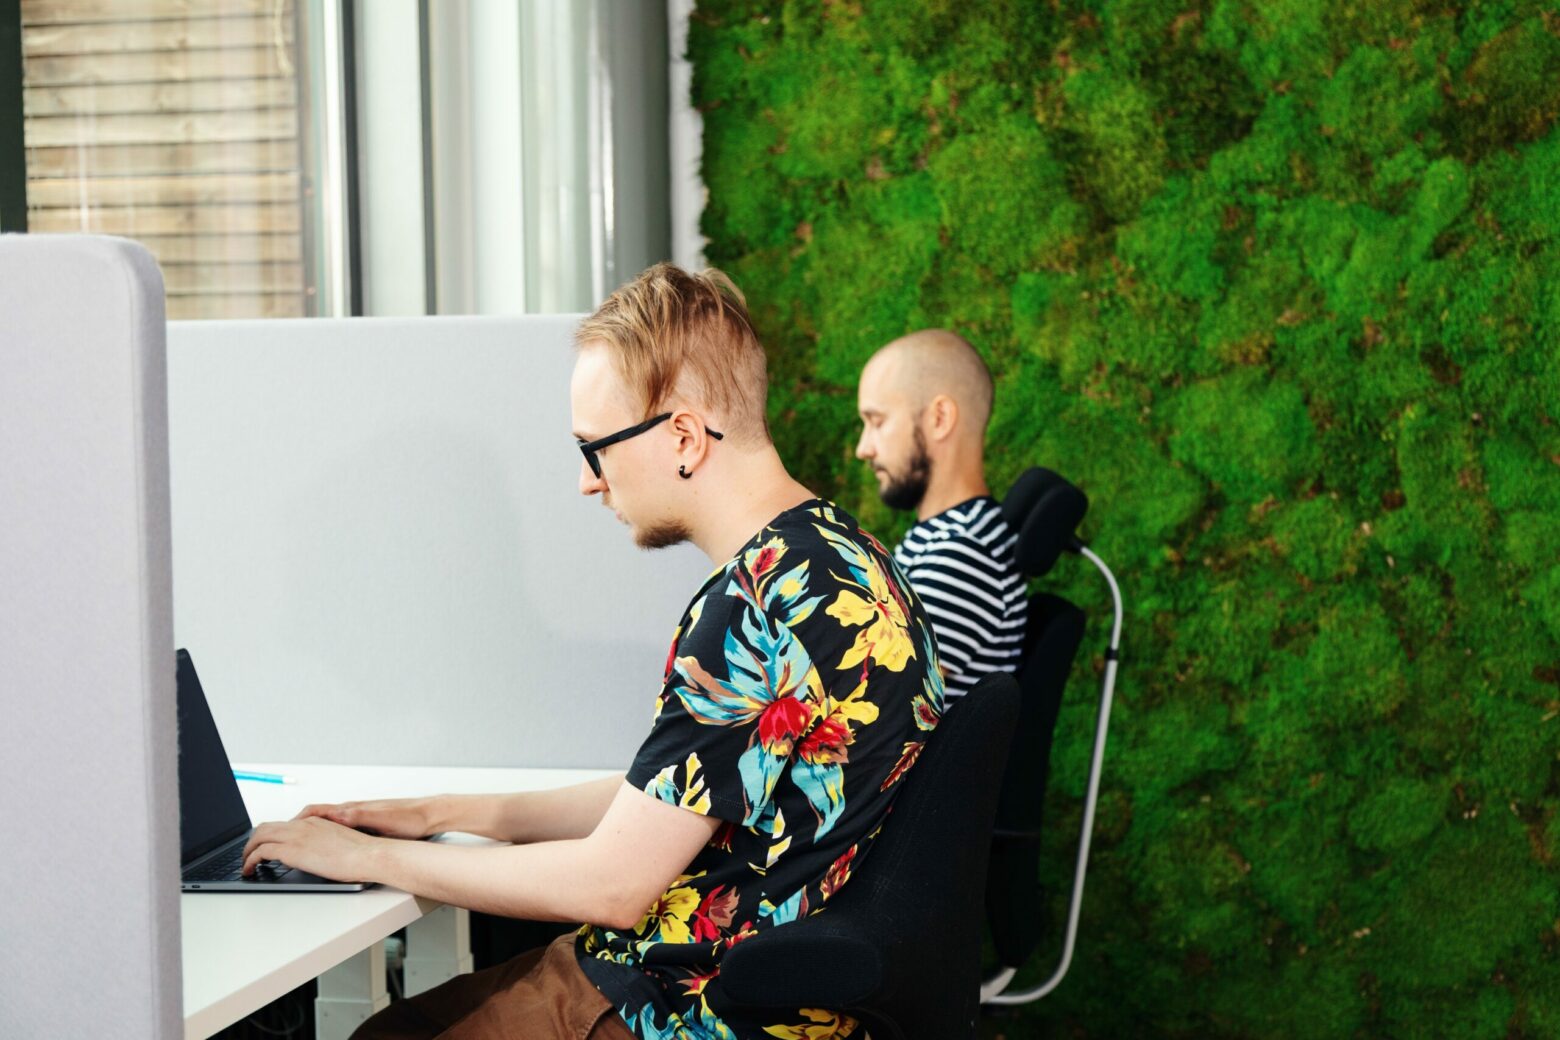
{"x": 381, "y": 554}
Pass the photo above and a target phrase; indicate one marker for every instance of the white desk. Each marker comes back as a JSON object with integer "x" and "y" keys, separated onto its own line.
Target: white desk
{"x": 242, "y": 951}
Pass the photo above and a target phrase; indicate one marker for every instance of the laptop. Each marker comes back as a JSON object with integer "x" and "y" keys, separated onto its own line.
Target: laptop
{"x": 213, "y": 823}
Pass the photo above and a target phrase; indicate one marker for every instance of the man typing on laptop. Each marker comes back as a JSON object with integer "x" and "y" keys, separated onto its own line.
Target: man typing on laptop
{"x": 801, "y": 685}
{"x": 213, "y": 822}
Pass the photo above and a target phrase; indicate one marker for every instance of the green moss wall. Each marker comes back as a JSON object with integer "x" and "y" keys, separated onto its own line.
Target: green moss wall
{"x": 1278, "y": 283}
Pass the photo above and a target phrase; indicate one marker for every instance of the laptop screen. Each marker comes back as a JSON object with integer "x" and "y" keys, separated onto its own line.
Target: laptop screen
{"x": 211, "y": 812}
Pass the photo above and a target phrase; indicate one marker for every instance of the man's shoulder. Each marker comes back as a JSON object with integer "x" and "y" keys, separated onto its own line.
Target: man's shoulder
{"x": 804, "y": 556}
{"x": 823, "y": 529}
{"x": 973, "y": 528}
{"x": 813, "y": 598}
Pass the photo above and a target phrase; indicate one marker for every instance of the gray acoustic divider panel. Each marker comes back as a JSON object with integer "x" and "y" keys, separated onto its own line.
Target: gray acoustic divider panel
{"x": 89, "y": 920}
{"x": 381, "y": 554}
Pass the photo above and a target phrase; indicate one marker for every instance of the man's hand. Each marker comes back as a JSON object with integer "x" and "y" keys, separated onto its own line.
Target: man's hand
{"x": 314, "y": 844}
{"x": 390, "y": 817}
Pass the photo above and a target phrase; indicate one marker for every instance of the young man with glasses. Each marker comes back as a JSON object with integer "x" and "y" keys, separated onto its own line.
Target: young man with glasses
{"x": 925, "y": 400}
{"x": 799, "y": 691}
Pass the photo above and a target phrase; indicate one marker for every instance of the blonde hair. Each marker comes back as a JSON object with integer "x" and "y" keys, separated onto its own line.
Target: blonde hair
{"x": 676, "y": 334}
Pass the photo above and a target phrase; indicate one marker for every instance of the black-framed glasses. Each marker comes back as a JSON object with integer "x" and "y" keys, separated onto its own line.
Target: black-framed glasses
{"x": 589, "y": 448}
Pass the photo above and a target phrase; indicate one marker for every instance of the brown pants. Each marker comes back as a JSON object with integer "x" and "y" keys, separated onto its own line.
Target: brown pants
{"x": 539, "y": 995}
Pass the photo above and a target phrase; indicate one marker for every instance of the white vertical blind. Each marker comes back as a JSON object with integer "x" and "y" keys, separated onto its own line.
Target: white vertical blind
{"x": 559, "y": 102}
{"x": 390, "y": 157}
{"x": 687, "y": 191}
{"x": 548, "y": 122}
{"x": 496, "y": 185}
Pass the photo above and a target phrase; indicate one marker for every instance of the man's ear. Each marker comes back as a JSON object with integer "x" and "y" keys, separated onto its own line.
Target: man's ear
{"x": 942, "y": 417}
{"x": 690, "y": 431}
{"x": 683, "y": 423}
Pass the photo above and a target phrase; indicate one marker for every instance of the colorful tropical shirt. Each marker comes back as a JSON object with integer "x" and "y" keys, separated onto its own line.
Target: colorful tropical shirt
{"x": 801, "y": 686}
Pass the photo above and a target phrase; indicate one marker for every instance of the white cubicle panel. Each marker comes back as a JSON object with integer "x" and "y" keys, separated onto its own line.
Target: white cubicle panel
{"x": 89, "y": 926}
{"x": 381, "y": 554}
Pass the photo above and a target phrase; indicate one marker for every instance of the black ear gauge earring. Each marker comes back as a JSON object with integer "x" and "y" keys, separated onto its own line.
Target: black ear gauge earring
{"x": 682, "y": 471}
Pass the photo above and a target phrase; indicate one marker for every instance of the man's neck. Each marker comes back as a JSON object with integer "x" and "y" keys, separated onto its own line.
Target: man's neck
{"x": 740, "y": 507}
{"x": 942, "y": 496}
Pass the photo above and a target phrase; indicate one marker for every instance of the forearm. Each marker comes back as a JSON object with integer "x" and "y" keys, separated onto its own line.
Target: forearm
{"x": 547, "y": 881}
{"x": 529, "y": 816}
{"x": 639, "y": 846}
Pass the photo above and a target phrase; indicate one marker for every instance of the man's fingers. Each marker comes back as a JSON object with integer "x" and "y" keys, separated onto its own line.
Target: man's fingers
{"x": 341, "y": 814}
{"x": 256, "y": 836}
{"x": 262, "y": 838}
{"x": 259, "y": 854}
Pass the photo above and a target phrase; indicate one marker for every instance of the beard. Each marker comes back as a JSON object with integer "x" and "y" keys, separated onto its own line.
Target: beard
{"x": 662, "y": 535}
{"x": 905, "y": 490}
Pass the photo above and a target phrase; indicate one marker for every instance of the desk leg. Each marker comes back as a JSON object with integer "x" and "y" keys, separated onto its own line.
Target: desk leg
{"x": 438, "y": 948}
{"x": 349, "y": 993}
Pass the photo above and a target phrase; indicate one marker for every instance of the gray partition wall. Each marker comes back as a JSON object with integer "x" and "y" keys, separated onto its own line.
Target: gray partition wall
{"x": 381, "y": 554}
{"x": 89, "y": 926}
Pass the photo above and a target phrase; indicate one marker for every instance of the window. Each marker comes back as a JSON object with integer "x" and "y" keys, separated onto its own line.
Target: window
{"x": 285, "y": 158}
{"x": 186, "y": 125}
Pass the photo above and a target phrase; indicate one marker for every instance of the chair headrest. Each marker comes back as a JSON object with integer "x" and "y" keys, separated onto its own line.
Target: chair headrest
{"x": 1024, "y": 493}
{"x": 1045, "y": 510}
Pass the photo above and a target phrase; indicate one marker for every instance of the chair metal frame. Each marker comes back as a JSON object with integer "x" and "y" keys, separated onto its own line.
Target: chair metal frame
{"x": 994, "y": 990}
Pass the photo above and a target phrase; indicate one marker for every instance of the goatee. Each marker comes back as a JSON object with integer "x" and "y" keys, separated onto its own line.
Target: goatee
{"x": 906, "y": 491}
{"x": 662, "y": 535}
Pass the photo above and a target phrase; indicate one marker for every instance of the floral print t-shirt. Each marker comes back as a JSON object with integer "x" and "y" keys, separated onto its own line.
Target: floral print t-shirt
{"x": 801, "y": 687}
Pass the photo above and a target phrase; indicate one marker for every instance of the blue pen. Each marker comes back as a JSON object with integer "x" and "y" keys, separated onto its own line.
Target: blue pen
{"x": 264, "y": 778}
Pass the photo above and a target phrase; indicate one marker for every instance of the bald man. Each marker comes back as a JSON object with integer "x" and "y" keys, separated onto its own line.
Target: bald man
{"x": 925, "y": 400}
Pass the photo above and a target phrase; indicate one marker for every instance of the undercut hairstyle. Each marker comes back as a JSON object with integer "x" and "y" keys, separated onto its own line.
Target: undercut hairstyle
{"x": 675, "y": 335}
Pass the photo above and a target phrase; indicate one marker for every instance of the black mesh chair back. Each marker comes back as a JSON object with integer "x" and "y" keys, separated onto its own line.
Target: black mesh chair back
{"x": 1013, "y": 894}
{"x": 899, "y": 947}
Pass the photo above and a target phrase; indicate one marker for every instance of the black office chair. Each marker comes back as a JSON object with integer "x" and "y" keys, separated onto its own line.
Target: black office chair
{"x": 899, "y": 947}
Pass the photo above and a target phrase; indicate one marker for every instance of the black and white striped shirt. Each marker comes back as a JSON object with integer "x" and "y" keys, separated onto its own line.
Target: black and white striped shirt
{"x": 960, "y": 562}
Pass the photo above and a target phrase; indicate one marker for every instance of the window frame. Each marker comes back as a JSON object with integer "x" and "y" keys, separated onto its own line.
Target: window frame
{"x": 13, "y": 151}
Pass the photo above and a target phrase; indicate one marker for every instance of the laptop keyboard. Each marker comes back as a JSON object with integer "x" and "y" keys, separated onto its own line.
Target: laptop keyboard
{"x": 226, "y": 867}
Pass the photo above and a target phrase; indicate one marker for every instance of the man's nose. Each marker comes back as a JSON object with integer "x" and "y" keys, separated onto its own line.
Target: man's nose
{"x": 590, "y": 484}
{"x": 864, "y": 447}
